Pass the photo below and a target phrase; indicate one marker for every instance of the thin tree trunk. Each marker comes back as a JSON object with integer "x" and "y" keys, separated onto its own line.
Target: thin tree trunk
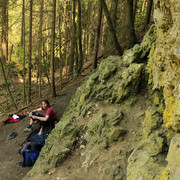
{"x": 45, "y": 65}
{"x": 89, "y": 26}
{"x": 23, "y": 44}
{"x": 11, "y": 51}
{"x": 30, "y": 53}
{"x": 40, "y": 47}
{"x": 113, "y": 14}
{"x": 80, "y": 60}
{"x": 132, "y": 39}
{"x": 5, "y": 79}
{"x": 65, "y": 40}
{"x": 4, "y": 31}
{"x": 148, "y": 13}
{"x": 103, "y": 31}
{"x": 135, "y": 8}
{"x": 112, "y": 30}
{"x": 114, "y": 7}
{"x": 98, "y": 36}
{"x": 53, "y": 90}
{"x": 3, "y": 46}
{"x": 71, "y": 65}
{"x": 143, "y": 6}
{"x": 7, "y": 33}
{"x": 60, "y": 53}
{"x": 84, "y": 42}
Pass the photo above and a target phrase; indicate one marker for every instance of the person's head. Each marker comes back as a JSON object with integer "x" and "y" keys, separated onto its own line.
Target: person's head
{"x": 45, "y": 104}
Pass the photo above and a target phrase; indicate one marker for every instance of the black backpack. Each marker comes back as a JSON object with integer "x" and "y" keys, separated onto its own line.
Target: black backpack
{"x": 30, "y": 153}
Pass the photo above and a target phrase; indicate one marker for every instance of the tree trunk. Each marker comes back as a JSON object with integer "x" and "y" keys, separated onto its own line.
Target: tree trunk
{"x": 80, "y": 60}
{"x": 84, "y": 43}
{"x": 4, "y": 31}
{"x": 30, "y": 54}
{"x": 113, "y": 15}
{"x": 11, "y": 51}
{"x": 7, "y": 33}
{"x": 5, "y": 79}
{"x": 103, "y": 33}
{"x": 132, "y": 39}
{"x": 112, "y": 30}
{"x": 60, "y": 53}
{"x": 114, "y": 7}
{"x": 23, "y": 45}
{"x": 143, "y": 6}
{"x": 45, "y": 65}
{"x": 98, "y": 36}
{"x": 66, "y": 35}
{"x": 148, "y": 13}
{"x": 3, "y": 47}
{"x": 53, "y": 91}
{"x": 40, "y": 47}
{"x": 89, "y": 26}
{"x": 71, "y": 65}
{"x": 135, "y": 8}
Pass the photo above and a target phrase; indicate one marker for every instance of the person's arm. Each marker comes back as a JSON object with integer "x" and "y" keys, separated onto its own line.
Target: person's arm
{"x": 35, "y": 110}
{"x": 41, "y": 118}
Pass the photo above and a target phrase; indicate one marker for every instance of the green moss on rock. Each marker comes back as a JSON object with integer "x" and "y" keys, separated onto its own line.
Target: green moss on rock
{"x": 152, "y": 121}
{"x": 116, "y": 134}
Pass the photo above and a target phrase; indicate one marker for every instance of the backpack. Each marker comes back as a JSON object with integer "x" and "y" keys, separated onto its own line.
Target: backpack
{"x": 30, "y": 153}
{"x": 12, "y": 118}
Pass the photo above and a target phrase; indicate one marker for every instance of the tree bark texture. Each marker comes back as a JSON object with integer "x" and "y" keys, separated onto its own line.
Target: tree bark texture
{"x": 40, "y": 47}
{"x": 80, "y": 60}
{"x": 7, "y": 32}
{"x": 6, "y": 82}
{"x": 4, "y": 31}
{"x": 23, "y": 45}
{"x": 132, "y": 39}
{"x": 148, "y": 13}
{"x": 30, "y": 53}
{"x": 112, "y": 30}
{"x": 60, "y": 53}
{"x": 98, "y": 36}
{"x": 114, "y": 7}
{"x": 135, "y": 8}
{"x": 53, "y": 91}
{"x": 71, "y": 65}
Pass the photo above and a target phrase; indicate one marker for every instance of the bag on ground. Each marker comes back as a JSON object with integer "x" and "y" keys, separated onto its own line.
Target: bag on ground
{"x": 30, "y": 153}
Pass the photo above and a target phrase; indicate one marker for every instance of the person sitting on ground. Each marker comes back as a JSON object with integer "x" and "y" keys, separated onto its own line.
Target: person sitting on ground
{"x": 45, "y": 121}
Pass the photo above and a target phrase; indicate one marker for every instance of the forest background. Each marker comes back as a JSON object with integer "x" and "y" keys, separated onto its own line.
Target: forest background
{"x": 45, "y": 44}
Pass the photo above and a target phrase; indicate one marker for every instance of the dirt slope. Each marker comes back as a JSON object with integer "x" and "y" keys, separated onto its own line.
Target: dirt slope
{"x": 9, "y": 156}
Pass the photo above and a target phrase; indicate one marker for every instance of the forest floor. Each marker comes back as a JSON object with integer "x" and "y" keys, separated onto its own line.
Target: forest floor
{"x": 9, "y": 149}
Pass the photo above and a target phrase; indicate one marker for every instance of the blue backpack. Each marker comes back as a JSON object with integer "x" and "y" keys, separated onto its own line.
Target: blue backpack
{"x": 30, "y": 153}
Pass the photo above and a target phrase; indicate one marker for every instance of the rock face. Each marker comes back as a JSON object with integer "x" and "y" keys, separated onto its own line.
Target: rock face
{"x": 163, "y": 70}
{"x": 95, "y": 120}
{"x": 164, "y": 62}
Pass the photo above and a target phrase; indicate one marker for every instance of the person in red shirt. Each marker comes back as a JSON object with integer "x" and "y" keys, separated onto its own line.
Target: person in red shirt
{"x": 48, "y": 120}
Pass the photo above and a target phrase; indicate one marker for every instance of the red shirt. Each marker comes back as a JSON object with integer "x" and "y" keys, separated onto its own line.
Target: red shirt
{"x": 49, "y": 111}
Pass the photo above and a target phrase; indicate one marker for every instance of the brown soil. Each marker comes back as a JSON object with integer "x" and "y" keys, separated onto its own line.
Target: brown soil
{"x": 9, "y": 149}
